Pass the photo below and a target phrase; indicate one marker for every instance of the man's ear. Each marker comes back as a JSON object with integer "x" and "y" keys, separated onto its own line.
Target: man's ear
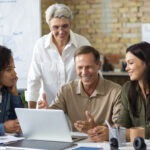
{"x": 99, "y": 65}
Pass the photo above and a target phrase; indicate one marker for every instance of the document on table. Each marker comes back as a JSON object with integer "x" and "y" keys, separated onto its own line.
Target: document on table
{"x": 15, "y": 148}
{"x": 79, "y": 134}
{"x": 8, "y": 138}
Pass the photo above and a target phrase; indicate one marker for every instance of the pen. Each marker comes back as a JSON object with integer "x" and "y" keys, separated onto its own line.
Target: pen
{"x": 110, "y": 128}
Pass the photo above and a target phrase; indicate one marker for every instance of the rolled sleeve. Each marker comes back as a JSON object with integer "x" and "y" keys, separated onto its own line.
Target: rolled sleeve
{"x": 31, "y": 95}
{"x": 34, "y": 78}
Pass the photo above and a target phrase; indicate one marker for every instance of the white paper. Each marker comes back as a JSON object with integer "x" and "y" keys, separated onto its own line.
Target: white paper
{"x": 9, "y": 138}
{"x": 79, "y": 134}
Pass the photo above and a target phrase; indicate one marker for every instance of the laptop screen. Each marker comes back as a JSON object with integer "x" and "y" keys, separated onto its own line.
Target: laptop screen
{"x": 43, "y": 124}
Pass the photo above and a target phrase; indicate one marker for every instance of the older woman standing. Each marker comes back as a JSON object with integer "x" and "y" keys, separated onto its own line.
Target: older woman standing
{"x": 135, "y": 108}
{"x": 9, "y": 98}
{"x": 53, "y": 64}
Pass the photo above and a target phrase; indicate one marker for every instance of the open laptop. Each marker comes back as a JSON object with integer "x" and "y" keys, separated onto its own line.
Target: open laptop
{"x": 43, "y": 124}
{"x": 43, "y": 129}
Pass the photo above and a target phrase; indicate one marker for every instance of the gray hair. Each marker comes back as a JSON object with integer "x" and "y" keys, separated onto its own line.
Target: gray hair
{"x": 58, "y": 11}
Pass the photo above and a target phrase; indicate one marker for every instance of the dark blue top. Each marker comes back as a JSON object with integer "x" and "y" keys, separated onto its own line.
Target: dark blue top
{"x": 7, "y": 107}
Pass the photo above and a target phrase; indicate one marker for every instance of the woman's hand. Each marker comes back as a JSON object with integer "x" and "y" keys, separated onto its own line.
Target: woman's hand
{"x": 12, "y": 126}
{"x": 13, "y": 89}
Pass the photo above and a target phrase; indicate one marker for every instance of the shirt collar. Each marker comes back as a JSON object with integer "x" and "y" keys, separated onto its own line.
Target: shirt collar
{"x": 49, "y": 41}
{"x": 73, "y": 39}
{"x": 100, "y": 88}
{"x": 79, "y": 87}
{"x": 138, "y": 89}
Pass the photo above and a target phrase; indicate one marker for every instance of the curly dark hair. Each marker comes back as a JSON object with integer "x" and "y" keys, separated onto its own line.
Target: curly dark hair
{"x": 142, "y": 51}
{"x": 5, "y": 56}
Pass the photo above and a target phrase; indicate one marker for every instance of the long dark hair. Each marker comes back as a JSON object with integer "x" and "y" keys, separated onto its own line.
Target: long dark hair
{"x": 5, "y": 56}
{"x": 142, "y": 51}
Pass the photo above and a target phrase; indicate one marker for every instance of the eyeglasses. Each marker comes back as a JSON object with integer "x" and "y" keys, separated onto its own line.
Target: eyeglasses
{"x": 63, "y": 27}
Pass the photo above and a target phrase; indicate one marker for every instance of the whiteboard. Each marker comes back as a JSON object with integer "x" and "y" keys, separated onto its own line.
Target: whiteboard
{"x": 20, "y": 27}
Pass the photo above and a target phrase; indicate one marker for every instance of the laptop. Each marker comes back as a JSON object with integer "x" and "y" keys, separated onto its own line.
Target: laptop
{"x": 38, "y": 145}
{"x": 42, "y": 129}
{"x": 43, "y": 124}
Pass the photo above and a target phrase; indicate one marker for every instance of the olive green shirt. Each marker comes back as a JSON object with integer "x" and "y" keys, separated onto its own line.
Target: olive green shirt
{"x": 103, "y": 104}
{"x": 126, "y": 118}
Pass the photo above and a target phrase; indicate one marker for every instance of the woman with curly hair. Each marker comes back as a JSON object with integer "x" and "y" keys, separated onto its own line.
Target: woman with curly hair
{"x": 9, "y": 98}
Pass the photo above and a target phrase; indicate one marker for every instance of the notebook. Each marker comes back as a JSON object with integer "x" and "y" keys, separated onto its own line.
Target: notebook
{"x": 43, "y": 124}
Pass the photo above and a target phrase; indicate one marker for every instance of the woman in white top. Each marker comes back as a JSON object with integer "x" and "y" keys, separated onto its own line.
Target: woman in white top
{"x": 53, "y": 58}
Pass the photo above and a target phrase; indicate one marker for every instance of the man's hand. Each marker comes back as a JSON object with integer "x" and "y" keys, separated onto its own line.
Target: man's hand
{"x": 42, "y": 104}
{"x": 99, "y": 134}
{"x": 84, "y": 126}
{"x": 13, "y": 89}
{"x": 12, "y": 126}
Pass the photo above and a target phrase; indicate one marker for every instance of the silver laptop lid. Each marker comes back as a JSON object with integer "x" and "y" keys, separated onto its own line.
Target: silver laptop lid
{"x": 43, "y": 124}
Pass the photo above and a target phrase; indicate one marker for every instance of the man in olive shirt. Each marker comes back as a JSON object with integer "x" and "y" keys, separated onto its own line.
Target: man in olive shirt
{"x": 91, "y": 100}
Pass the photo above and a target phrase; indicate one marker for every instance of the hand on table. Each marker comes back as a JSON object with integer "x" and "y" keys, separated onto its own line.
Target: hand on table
{"x": 12, "y": 126}
{"x": 99, "y": 134}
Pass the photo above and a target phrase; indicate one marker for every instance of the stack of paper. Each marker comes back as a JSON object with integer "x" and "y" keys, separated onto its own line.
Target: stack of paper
{"x": 9, "y": 138}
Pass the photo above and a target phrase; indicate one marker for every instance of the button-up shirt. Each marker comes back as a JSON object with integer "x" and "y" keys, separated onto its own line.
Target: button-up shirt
{"x": 7, "y": 107}
{"x": 103, "y": 104}
{"x": 126, "y": 117}
{"x": 49, "y": 68}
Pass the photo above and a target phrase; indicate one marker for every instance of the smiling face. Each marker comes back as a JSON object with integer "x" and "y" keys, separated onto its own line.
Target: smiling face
{"x": 60, "y": 28}
{"x": 135, "y": 67}
{"x": 8, "y": 75}
{"x": 87, "y": 69}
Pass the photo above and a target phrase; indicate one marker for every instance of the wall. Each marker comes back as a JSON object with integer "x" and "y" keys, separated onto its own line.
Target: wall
{"x": 110, "y": 25}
